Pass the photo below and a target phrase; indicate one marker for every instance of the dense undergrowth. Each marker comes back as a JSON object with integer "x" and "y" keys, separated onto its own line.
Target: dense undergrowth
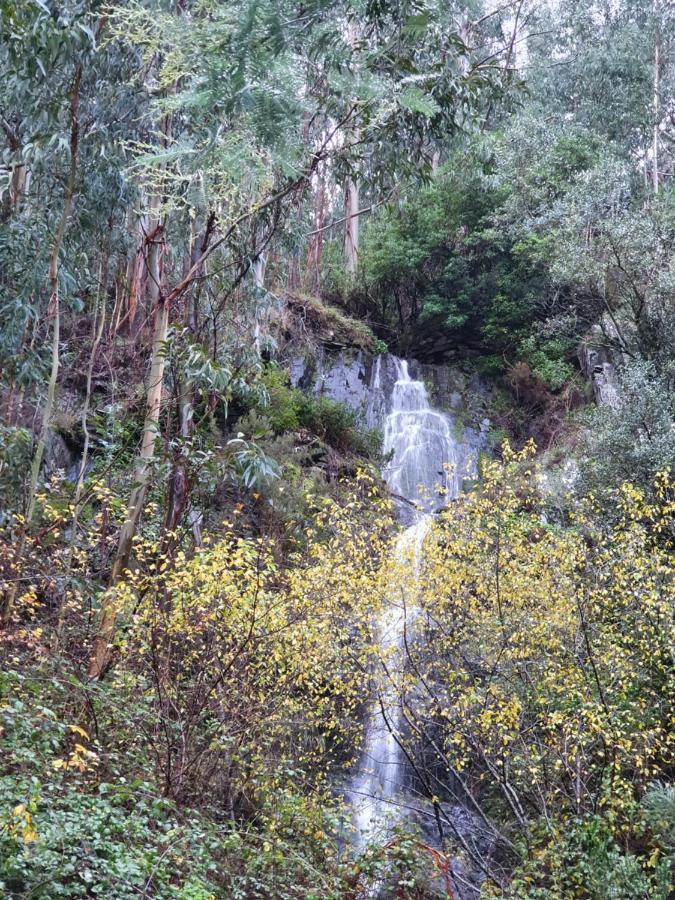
{"x": 550, "y": 701}
{"x": 199, "y": 764}
{"x": 208, "y": 761}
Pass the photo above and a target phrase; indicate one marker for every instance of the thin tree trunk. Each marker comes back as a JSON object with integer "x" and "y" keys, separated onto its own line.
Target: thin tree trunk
{"x": 101, "y": 650}
{"x": 126, "y": 303}
{"x": 259, "y": 266}
{"x": 97, "y": 333}
{"x": 655, "y": 99}
{"x": 54, "y": 306}
{"x": 315, "y": 250}
{"x": 352, "y": 226}
{"x": 54, "y": 310}
{"x": 20, "y": 177}
{"x": 19, "y": 185}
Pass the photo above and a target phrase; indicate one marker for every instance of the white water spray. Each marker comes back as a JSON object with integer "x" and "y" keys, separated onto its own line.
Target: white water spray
{"x": 423, "y": 473}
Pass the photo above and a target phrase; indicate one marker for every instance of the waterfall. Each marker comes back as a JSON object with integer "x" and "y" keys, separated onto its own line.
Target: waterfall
{"x": 423, "y": 467}
{"x": 422, "y": 474}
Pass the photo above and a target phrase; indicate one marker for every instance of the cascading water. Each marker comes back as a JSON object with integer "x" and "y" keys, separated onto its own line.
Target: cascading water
{"x": 423, "y": 468}
{"x": 422, "y": 474}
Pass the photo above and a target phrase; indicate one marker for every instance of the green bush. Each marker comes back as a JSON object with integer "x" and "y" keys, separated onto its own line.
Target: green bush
{"x": 549, "y": 359}
{"x": 113, "y": 842}
{"x": 634, "y": 438}
{"x": 283, "y": 401}
{"x": 107, "y": 832}
{"x": 339, "y": 426}
{"x": 287, "y": 409}
{"x": 586, "y": 861}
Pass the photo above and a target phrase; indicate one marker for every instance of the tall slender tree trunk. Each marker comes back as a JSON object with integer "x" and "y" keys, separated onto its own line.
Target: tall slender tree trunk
{"x": 656, "y": 106}
{"x": 100, "y": 655}
{"x": 315, "y": 249}
{"x": 54, "y": 300}
{"x": 97, "y": 327}
{"x": 125, "y": 312}
{"x": 19, "y": 185}
{"x": 258, "y": 270}
{"x": 54, "y": 311}
{"x": 293, "y": 278}
{"x": 352, "y": 226}
{"x": 179, "y": 488}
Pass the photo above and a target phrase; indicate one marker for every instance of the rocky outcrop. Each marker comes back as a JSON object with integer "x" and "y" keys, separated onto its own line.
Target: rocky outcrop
{"x": 343, "y": 376}
{"x": 598, "y": 366}
{"x": 365, "y": 382}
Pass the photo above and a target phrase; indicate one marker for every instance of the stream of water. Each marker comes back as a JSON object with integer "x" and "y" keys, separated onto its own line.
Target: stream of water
{"x": 422, "y": 474}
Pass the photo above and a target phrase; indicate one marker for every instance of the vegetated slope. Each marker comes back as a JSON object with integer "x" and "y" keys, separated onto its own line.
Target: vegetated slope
{"x": 192, "y": 549}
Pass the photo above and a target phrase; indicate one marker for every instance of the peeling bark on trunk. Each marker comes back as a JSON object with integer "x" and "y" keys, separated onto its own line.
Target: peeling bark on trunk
{"x": 20, "y": 177}
{"x": 258, "y": 269}
{"x": 352, "y": 226}
{"x": 101, "y": 650}
{"x": 177, "y": 491}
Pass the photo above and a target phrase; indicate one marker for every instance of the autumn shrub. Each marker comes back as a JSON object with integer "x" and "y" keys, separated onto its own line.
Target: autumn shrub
{"x": 203, "y": 763}
{"x": 545, "y": 687}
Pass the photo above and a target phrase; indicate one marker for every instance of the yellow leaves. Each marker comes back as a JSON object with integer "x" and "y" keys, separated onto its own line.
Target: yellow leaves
{"x": 20, "y": 823}
{"x": 553, "y": 647}
{"x": 77, "y": 730}
{"x": 81, "y": 758}
{"x": 285, "y": 646}
{"x": 653, "y": 860}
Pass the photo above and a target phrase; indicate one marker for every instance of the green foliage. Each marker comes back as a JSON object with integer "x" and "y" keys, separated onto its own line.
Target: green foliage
{"x": 15, "y": 451}
{"x": 590, "y": 861}
{"x": 339, "y": 426}
{"x": 78, "y": 834}
{"x": 659, "y": 810}
{"x": 111, "y": 843}
{"x": 288, "y": 409}
{"x": 454, "y": 269}
{"x": 205, "y": 763}
{"x": 283, "y": 402}
{"x": 549, "y": 359}
{"x": 632, "y": 438}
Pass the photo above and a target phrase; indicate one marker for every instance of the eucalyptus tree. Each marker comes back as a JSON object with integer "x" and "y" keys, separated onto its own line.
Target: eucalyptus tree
{"x": 154, "y": 150}
{"x": 248, "y": 99}
{"x": 447, "y": 65}
{"x": 609, "y": 66}
{"x": 61, "y": 111}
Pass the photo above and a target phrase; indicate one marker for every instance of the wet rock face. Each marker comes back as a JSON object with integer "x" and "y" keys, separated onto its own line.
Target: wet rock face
{"x": 59, "y": 455}
{"x": 366, "y": 384}
{"x": 370, "y": 385}
{"x": 597, "y": 364}
{"x": 344, "y": 377}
